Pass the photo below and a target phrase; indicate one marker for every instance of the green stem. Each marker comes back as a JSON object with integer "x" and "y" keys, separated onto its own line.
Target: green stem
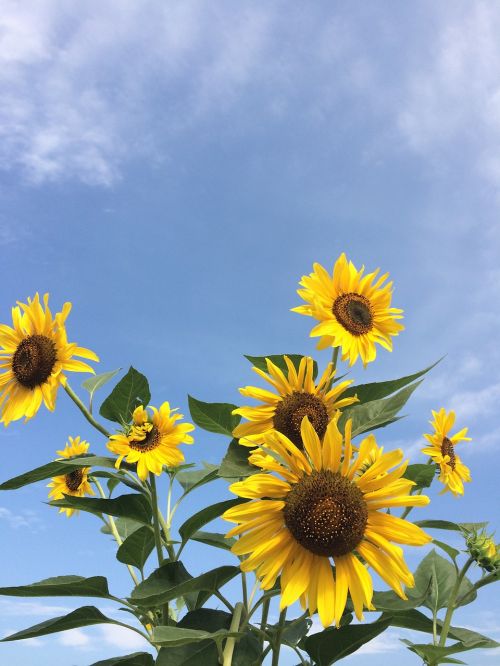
{"x": 265, "y": 613}
{"x": 451, "y": 603}
{"x": 434, "y": 627}
{"x": 226, "y": 603}
{"x": 244, "y": 590}
{"x": 85, "y": 411}
{"x": 156, "y": 524}
{"x": 277, "y": 639}
{"x": 335, "y": 356}
{"x": 230, "y": 643}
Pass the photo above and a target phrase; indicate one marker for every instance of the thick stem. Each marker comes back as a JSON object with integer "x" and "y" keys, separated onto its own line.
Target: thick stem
{"x": 235, "y": 623}
{"x": 265, "y": 613}
{"x": 335, "y": 356}
{"x": 277, "y": 639}
{"x": 85, "y": 411}
{"x": 451, "y": 603}
{"x": 156, "y": 524}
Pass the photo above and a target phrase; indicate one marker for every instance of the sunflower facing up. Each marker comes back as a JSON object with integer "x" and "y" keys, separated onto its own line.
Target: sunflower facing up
{"x": 152, "y": 441}
{"x": 75, "y": 483}
{"x": 326, "y": 506}
{"x": 354, "y": 312}
{"x": 296, "y": 396}
{"x": 34, "y": 354}
{"x": 453, "y": 472}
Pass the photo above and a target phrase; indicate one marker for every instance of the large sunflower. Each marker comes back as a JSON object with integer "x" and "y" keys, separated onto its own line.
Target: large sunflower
{"x": 297, "y": 396}
{"x": 75, "y": 483}
{"x": 34, "y": 354}
{"x": 152, "y": 441}
{"x": 442, "y": 451}
{"x": 327, "y": 505}
{"x": 354, "y": 311}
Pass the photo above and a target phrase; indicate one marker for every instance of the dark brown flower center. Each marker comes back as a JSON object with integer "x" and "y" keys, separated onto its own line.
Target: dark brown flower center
{"x": 447, "y": 449}
{"x": 33, "y": 360}
{"x": 326, "y": 513}
{"x": 150, "y": 442}
{"x": 292, "y": 409}
{"x": 354, "y": 312}
{"x": 74, "y": 479}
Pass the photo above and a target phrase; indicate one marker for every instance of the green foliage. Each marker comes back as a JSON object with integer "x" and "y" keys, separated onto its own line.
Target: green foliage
{"x": 132, "y": 506}
{"x": 448, "y": 525}
{"x": 213, "y": 539}
{"x": 422, "y": 475}
{"x": 195, "y": 478}
{"x": 279, "y": 360}
{"x": 124, "y": 526}
{"x": 135, "y": 659}
{"x": 209, "y": 513}
{"x": 115, "y": 478}
{"x": 95, "y": 382}
{"x": 235, "y": 463}
{"x": 129, "y": 393}
{"x": 293, "y": 630}
{"x": 61, "y": 586}
{"x": 137, "y": 547}
{"x": 438, "y": 576}
{"x": 214, "y": 416}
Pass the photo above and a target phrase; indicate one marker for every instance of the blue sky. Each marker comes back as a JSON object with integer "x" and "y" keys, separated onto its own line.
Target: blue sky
{"x": 173, "y": 169}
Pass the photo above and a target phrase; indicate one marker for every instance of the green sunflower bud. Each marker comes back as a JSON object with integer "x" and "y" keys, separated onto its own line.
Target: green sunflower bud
{"x": 484, "y": 551}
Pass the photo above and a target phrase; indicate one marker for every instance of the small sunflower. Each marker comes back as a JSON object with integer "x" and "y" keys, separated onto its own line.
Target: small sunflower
{"x": 34, "y": 354}
{"x": 442, "y": 451}
{"x": 152, "y": 441}
{"x": 297, "y": 396}
{"x": 325, "y": 507}
{"x": 354, "y": 311}
{"x": 75, "y": 483}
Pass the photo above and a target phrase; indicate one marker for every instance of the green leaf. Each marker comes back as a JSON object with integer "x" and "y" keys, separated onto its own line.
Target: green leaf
{"x": 209, "y": 513}
{"x": 448, "y": 525}
{"x": 214, "y": 539}
{"x": 117, "y": 478}
{"x": 279, "y": 360}
{"x": 135, "y": 659}
{"x": 390, "y": 601}
{"x": 61, "y": 586}
{"x": 81, "y": 617}
{"x": 331, "y": 645}
{"x": 125, "y": 527}
{"x": 235, "y": 463}
{"x": 293, "y": 631}
{"x": 95, "y": 382}
{"x": 422, "y": 475}
{"x": 438, "y": 576}
{"x": 129, "y": 393}
{"x": 132, "y": 506}
{"x": 435, "y": 654}
{"x": 452, "y": 552}
{"x": 175, "y": 636}
{"x": 137, "y": 547}
{"x": 195, "y": 478}
{"x": 376, "y": 413}
{"x": 214, "y": 416}
{"x": 56, "y": 468}
{"x": 378, "y": 390}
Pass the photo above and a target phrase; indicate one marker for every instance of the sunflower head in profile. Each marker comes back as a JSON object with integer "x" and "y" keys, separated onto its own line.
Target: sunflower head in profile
{"x": 453, "y": 472}
{"x": 354, "y": 312}
{"x": 34, "y": 355}
{"x": 152, "y": 440}
{"x": 295, "y": 395}
{"x": 74, "y": 483}
{"x": 327, "y": 508}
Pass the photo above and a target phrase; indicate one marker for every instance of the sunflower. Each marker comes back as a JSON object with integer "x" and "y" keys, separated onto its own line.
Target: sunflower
{"x": 34, "y": 354}
{"x": 297, "y": 396}
{"x": 325, "y": 507}
{"x": 152, "y": 441}
{"x": 75, "y": 483}
{"x": 354, "y": 311}
{"x": 442, "y": 451}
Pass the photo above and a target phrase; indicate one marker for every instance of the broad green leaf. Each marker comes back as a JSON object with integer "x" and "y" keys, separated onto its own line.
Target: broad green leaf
{"x": 95, "y": 382}
{"x": 61, "y": 586}
{"x": 448, "y": 525}
{"x": 214, "y": 539}
{"x": 81, "y": 617}
{"x": 175, "y": 636}
{"x": 132, "y": 506}
{"x": 117, "y": 478}
{"x": 279, "y": 360}
{"x": 390, "y": 601}
{"x": 440, "y": 574}
{"x": 331, "y": 645}
{"x": 293, "y": 631}
{"x": 159, "y": 584}
{"x": 125, "y": 527}
{"x": 235, "y": 463}
{"x": 129, "y": 393}
{"x": 452, "y": 552}
{"x": 214, "y": 416}
{"x": 137, "y": 547}
{"x": 56, "y": 468}
{"x": 378, "y": 390}
{"x": 435, "y": 654}
{"x": 135, "y": 659}
{"x": 422, "y": 475}
{"x": 209, "y": 513}
{"x": 472, "y": 638}
{"x": 376, "y": 413}
{"x": 194, "y": 478}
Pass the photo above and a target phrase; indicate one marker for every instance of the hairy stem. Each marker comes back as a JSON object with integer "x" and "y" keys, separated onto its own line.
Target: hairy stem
{"x": 451, "y": 603}
{"x": 277, "y": 639}
{"x": 235, "y": 623}
{"x": 85, "y": 411}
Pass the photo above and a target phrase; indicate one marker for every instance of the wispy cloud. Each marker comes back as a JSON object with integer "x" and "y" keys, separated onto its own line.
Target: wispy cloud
{"x": 24, "y": 519}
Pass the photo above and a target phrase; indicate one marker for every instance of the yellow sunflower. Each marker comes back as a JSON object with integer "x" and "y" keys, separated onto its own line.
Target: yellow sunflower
{"x": 442, "y": 451}
{"x": 323, "y": 508}
{"x": 152, "y": 441}
{"x": 354, "y": 311}
{"x": 34, "y": 354}
{"x": 75, "y": 483}
{"x": 297, "y": 396}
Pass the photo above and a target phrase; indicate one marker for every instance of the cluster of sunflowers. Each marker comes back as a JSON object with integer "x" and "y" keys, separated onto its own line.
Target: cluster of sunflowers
{"x": 314, "y": 511}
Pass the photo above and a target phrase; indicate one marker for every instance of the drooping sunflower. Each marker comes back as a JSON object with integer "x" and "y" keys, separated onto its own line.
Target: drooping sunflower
{"x": 297, "y": 396}
{"x": 34, "y": 355}
{"x": 152, "y": 440}
{"x": 354, "y": 312}
{"x": 453, "y": 472}
{"x": 75, "y": 483}
{"x": 327, "y": 505}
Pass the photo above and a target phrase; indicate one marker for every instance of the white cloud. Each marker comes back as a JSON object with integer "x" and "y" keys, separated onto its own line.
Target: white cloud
{"x": 24, "y": 519}
{"x": 74, "y": 638}
{"x": 121, "y": 637}
{"x": 31, "y": 608}
{"x": 475, "y": 404}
